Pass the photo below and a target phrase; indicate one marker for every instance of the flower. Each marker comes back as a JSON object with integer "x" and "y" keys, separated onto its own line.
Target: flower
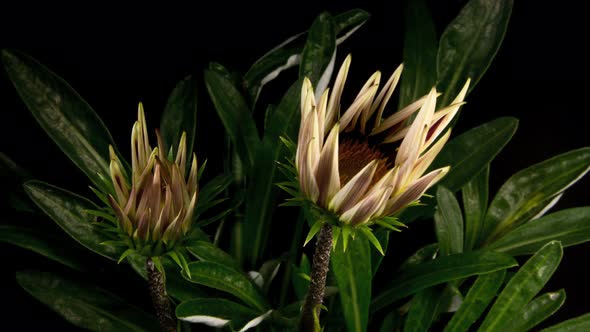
{"x": 159, "y": 203}
{"x": 348, "y": 163}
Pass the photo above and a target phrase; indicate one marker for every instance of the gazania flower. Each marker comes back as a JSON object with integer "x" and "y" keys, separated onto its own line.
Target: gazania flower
{"x": 360, "y": 165}
{"x": 158, "y": 203}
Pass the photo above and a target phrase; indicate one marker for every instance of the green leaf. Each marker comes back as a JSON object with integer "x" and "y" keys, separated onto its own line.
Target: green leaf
{"x": 537, "y": 311}
{"x": 228, "y": 280}
{"x": 445, "y": 268}
{"x": 180, "y": 115}
{"x": 218, "y": 313}
{"x": 419, "y": 55}
{"x": 423, "y": 309}
{"x": 317, "y": 59}
{"x": 208, "y": 194}
{"x": 469, "y": 43}
{"x": 301, "y": 284}
{"x": 570, "y": 227}
{"x": 448, "y": 222}
{"x": 532, "y": 191}
{"x": 85, "y": 305}
{"x": 234, "y": 114}
{"x": 522, "y": 287}
{"x": 63, "y": 114}
{"x": 580, "y": 323}
{"x": 368, "y": 233}
{"x": 261, "y": 193}
{"x": 315, "y": 228}
{"x": 479, "y": 296}
{"x": 352, "y": 270}
{"x": 382, "y": 236}
{"x": 51, "y": 246}
{"x": 424, "y": 254}
{"x": 68, "y": 210}
{"x": 475, "y": 204}
{"x": 469, "y": 153}
{"x": 208, "y": 252}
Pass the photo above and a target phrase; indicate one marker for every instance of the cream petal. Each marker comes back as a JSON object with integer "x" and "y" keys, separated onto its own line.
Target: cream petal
{"x": 307, "y": 98}
{"x": 188, "y": 218}
{"x": 305, "y": 135}
{"x": 334, "y": 102}
{"x": 409, "y": 149}
{"x": 400, "y": 115}
{"x": 307, "y": 180}
{"x": 415, "y": 190}
{"x": 354, "y": 190}
{"x": 427, "y": 158}
{"x": 321, "y": 111}
{"x": 354, "y": 111}
{"x": 327, "y": 174}
{"x": 365, "y": 209}
{"x": 124, "y": 220}
{"x": 119, "y": 182}
{"x": 385, "y": 94}
{"x": 192, "y": 182}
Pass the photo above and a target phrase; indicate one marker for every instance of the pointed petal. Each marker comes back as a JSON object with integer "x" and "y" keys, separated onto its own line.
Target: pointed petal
{"x": 400, "y": 115}
{"x": 144, "y": 134}
{"x": 321, "y": 111}
{"x": 409, "y": 149}
{"x": 366, "y": 208}
{"x": 119, "y": 183}
{"x": 444, "y": 116}
{"x": 347, "y": 121}
{"x": 124, "y": 221}
{"x": 181, "y": 155}
{"x": 365, "y": 113}
{"x": 188, "y": 218}
{"x": 327, "y": 174}
{"x": 307, "y": 98}
{"x": 161, "y": 147}
{"x": 192, "y": 181}
{"x": 354, "y": 190}
{"x": 427, "y": 158}
{"x": 334, "y": 103}
{"x": 165, "y": 216}
{"x": 385, "y": 94}
{"x": 415, "y": 190}
{"x": 307, "y": 180}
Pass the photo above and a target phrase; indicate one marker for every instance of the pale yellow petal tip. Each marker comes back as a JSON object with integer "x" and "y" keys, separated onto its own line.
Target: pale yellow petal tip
{"x": 140, "y": 113}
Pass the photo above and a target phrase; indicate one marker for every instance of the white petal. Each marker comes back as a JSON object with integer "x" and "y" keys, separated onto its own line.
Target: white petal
{"x": 415, "y": 190}
{"x": 400, "y": 115}
{"x": 366, "y": 208}
{"x": 427, "y": 158}
{"x": 356, "y": 108}
{"x": 307, "y": 179}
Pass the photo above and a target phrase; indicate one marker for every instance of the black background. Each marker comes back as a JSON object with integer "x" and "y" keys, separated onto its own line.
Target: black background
{"x": 115, "y": 57}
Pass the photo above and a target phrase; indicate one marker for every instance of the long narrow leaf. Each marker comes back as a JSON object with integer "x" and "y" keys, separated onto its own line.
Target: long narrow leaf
{"x": 570, "y": 227}
{"x": 522, "y": 287}
{"x": 180, "y": 115}
{"x": 234, "y": 114}
{"x": 417, "y": 277}
{"x": 63, "y": 114}
{"x": 470, "y": 152}
{"x": 423, "y": 309}
{"x": 218, "y": 313}
{"x": 475, "y": 204}
{"x": 580, "y": 323}
{"x": 420, "y": 46}
{"x": 317, "y": 59}
{"x": 479, "y": 296}
{"x": 538, "y": 310}
{"x": 533, "y": 190}
{"x": 352, "y": 270}
{"x": 51, "y": 246}
{"x": 85, "y": 305}
{"x": 448, "y": 222}
{"x": 227, "y": 280}
{"x": 68, "y": 210}
{"x": 468, "y": 52}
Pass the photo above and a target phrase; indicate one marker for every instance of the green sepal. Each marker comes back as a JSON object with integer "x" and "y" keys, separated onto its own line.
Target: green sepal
{"x": 315, "y": 228}
{"x": 371, "y": 237}
{"x": 179, "y": 259}
{"x": 125, "y": 254}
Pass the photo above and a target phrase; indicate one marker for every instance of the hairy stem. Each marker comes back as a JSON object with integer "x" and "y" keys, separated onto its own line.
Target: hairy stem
{"x": 160, "y": 300}
{"x": 309, "y": 320}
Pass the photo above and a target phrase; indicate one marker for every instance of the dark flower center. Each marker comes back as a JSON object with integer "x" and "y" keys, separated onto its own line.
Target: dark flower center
{"x": 354, "y": 154}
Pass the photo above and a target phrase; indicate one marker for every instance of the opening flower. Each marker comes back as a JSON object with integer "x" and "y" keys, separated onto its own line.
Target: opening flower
{"x": 360, "y": 165}
{"x": 157, "y": 205}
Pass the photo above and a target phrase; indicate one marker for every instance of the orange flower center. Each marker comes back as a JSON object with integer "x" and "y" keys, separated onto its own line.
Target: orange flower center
{"x": 354, "y": 155}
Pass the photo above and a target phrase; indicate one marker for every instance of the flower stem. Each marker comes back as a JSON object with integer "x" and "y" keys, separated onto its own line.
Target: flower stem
{"x": 310, "y": 313}
{"x": 160, "y": 300}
